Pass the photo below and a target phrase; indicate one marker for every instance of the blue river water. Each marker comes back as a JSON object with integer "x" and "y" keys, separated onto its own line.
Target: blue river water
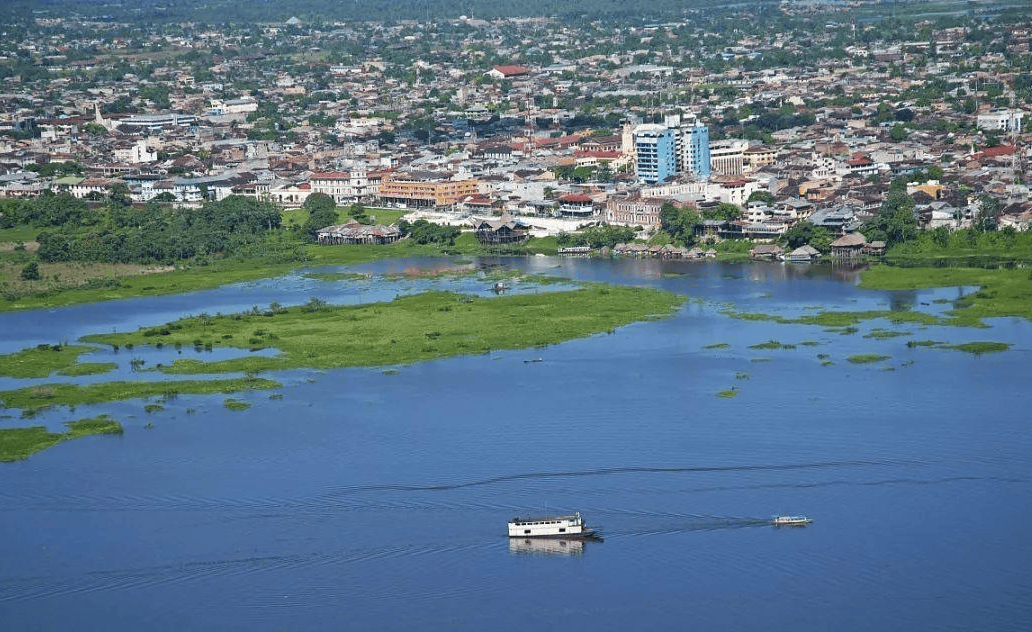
{"x": 377, "y": 498}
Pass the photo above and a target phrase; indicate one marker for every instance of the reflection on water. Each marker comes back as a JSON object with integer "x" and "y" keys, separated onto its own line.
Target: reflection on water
{"x": 546, "y": 546}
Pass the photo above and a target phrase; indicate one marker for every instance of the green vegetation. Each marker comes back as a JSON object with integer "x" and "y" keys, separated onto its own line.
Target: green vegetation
{"x": 729, "y": 393}
{"x": 44, "y": 359}
{"x": 408, "y": 329}
{"x": 924, "y": 343}
{"x": 842, "y": 319}
{"x": 885, "y": 334}
{"x": 235, "y": 404}
{"x": 21, "y": 443}
{"x": 87, "y": 368}
{"x": 772, "y": 344}
{"x": 978, "y": 348}
{"x": 35, "y": 398}
{"x": 1002, "y": 293}
{"x": 867, "y": 358}
{"x": 718, "y": 345}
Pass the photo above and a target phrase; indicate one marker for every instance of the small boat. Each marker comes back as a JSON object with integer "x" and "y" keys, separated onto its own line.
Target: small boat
{"x": 790, "y": 521}
{"x": 550, "y": 527}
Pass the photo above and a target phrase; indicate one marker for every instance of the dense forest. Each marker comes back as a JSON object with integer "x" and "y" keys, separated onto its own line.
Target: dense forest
{"x": 70, "y": 230}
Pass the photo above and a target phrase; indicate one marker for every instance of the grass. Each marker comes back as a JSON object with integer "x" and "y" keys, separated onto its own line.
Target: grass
{"x": 21, "y": 443}
{"x": 1002, "y": 292}
{"x": 978, "y": 348}
{"x": 35, "y": 398}
{"x": 885, "y": 334}
{"x": 87, "y": 368}
{"x": 408, "y": 329}
{"x": 719, "y": 345}
{"x": 729, "y": 393}
{"x": 867, "y": 358}
{"x": 235, "y": 404}
{"x": 43, "y": 360}
{"x": 771, "y": 345}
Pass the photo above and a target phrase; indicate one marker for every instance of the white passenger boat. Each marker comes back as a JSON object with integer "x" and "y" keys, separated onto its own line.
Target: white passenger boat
{"x": 790, "y": 521}
{"x": 550, "y": 527}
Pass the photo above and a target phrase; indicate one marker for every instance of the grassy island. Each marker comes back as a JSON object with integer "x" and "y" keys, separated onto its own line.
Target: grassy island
{"x": 21, "y": 443}
{"x": 36, "y": 398}
{"x": 408, "y": 329}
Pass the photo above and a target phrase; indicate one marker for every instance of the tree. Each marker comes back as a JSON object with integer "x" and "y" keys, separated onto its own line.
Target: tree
{"x": 898, "y": 133}
{"x": 762, "y": 196}
{"x": 30, "y": 272}
{"x": 805, "y": 233}
{"x": 679, "y": 223}
{"x": 319, "y": 202}
{"x": 895, "y": 222}
{"x": 119, "y": 195}
{"x": 985, "y": 219}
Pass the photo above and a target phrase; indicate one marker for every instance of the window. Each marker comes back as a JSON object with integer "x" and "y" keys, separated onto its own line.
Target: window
{"x": 562, "y": 529}
{"x": 526, "y": 531}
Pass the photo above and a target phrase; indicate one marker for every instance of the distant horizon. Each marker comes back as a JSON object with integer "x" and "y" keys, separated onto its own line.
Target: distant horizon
{"x": 312, "y": 12}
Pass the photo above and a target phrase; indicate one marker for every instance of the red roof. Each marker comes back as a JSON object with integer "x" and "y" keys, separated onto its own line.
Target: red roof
{"x": 331, "y": 175}
{"x": 511, "y": 71}
{"x": 585, "y": 153}
{"x": 995, "y": 152}
{"x": 576, "y": 197}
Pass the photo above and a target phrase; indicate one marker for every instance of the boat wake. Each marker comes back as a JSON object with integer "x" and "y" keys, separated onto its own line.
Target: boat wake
{"x": 141, "y": 578}
{"x": 609, "y": 472}
{"x": 687, "y": 524}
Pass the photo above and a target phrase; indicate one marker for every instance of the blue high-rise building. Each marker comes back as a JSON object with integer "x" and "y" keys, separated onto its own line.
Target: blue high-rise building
{"x": 698, "y": 151}
{"x": 655, "y": 153}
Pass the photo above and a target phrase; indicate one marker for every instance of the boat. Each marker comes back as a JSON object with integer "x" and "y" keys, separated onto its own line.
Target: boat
{"x": 571, "y": 526}
{"x": 790, "y": 521}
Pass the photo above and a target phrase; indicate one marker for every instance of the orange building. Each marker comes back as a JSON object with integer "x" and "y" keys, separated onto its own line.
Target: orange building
{"x": 425, "y": 189}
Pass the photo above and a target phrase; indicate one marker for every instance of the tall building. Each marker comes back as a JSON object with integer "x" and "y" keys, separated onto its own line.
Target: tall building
{"x": 655, "y": 148}
{"x": 698, "y": 151}
{"x": 692, "y": 138}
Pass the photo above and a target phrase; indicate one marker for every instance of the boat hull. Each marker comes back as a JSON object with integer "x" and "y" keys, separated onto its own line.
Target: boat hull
{"x": 791, "y": 521}
{"x": 587, "y": 534}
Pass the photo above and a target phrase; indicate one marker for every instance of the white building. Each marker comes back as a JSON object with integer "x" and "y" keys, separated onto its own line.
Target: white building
{"x": 137, "y": 153}
{"x": 245, "y": 105}
{"x": 727, "y": 157}
{"x": 1006, "y": 120}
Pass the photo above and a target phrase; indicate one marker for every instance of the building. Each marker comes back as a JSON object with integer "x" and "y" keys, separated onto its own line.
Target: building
{"x": 1005, "y": 120}
{"x": 342, "y": 186}
{"x": 356, "y": 233}
{"x": 655, "y": 150}
{"x": 425, "y": 189}
{"x": 728, "y": 157}
{"x": 136, "y": 153}
{"x": 634, "y": 210}
{"x": 245, "y": 105}
{"x": 507, "y": 72}
{"x": 576, "y": 205}
{"x": 693, "y": 145}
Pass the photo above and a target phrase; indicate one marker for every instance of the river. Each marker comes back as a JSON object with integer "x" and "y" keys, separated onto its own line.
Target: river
{"x": 373, "y": 499}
